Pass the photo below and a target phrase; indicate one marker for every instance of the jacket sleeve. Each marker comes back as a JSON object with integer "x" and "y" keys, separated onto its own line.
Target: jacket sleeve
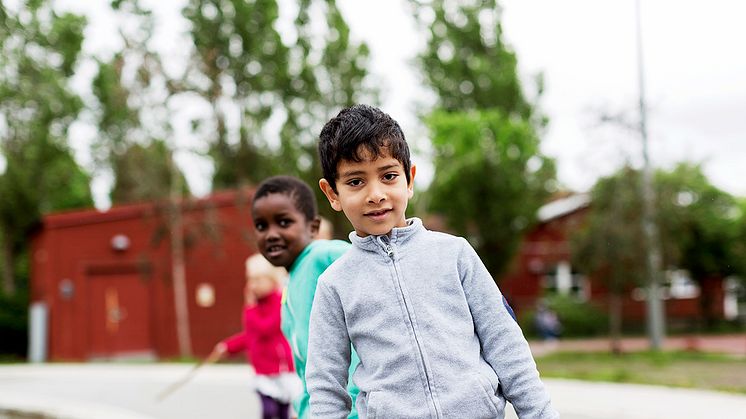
{"x": 236, "y": 343}
{"x": 503, "y": 344}
{"x": 328, "y": 356}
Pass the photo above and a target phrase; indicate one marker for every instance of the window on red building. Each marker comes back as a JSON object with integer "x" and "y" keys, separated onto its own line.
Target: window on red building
{"x": 562, "y": 280}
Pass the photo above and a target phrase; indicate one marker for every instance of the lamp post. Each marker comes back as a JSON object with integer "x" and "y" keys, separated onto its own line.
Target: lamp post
{"x": 655, "y": 312}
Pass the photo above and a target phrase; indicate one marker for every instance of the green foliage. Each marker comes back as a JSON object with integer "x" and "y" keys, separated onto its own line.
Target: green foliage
{"x": 246, "y": 61}
{"x": 132, "y": 144}
{"x": 39, "y": 52}
{"x": 490, "y": 180}
{"x": 138, "y": 167}
{"x": 13, "y": 323}
{"x": 698, "y": 226}
{"x": 466, "y": 62}
{"x": 490, "y": 174}
{"x": 115, "y": 116}
{"x": 578, "y": 318}
{"x": 699, "y": 223}
{"x": 611, "y": 244}
{"x": 294, "y": 80}
{"x": 739, "y": 245}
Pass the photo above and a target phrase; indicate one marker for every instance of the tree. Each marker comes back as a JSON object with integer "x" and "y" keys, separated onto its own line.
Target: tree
{"x": 130, "y": 88}
{"x": 491, "y": 175}
{"x": 144, "y": 173}
{"x": 739, "y": 246}
{"x": 491, "y": 180}
{"x": 137, "y": 138}
{"x": 40, "y": 49}
{"x": 698, "y": 226}
{"x": 699, "y": 229}
{"x": 279, "y": 87}
{"x": 467, "y": 63}
{"x": 609, "y": 246}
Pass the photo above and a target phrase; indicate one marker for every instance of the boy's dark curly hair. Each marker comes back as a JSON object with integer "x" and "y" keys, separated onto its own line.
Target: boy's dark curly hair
{"x": 296, "y": 189}
{"x": 356, "y": 129}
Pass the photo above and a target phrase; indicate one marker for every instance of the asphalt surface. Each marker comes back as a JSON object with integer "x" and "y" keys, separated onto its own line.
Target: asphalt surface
{"x": 130, "y": 391}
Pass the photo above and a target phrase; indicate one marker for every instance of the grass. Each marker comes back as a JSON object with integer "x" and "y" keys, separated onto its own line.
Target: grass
{"x": 676, "y": 369}
{"x": 11, "y": 359}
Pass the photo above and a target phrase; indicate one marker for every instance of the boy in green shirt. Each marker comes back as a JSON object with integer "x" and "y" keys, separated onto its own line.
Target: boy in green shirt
{"x": 286, "y": 222}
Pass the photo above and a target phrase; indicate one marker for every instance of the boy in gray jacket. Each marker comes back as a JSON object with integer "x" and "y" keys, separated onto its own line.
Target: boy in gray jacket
{"x": 419, "y": 307}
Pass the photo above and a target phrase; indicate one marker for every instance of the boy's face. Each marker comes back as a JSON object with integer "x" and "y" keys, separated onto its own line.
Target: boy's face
{"x": 372, "y": 193}
{"x": 282, "y": 231}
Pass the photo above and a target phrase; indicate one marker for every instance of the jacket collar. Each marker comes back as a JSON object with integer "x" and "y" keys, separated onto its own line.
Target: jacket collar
{"x": 398, "y": 237}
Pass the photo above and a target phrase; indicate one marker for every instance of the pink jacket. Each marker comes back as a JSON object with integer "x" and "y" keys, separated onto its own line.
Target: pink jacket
{"x": 262, "y": 339}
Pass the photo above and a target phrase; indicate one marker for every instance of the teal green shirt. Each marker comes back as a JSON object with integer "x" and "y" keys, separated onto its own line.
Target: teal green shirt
{"x": 297, "y": 299}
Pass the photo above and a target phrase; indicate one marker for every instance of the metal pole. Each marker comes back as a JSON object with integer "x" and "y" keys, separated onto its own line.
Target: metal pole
{"x": 655, "y": 313}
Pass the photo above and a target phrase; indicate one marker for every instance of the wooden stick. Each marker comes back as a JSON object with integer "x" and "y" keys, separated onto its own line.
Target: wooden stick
{"x": 189, "y": 375}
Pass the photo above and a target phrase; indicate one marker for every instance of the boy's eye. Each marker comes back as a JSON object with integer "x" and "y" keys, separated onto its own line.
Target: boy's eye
{"x": 390, "y": 176}
{"x": 260, "y": 226}
{"x": 284, "y": 223}
{"x": 355, "y": 182}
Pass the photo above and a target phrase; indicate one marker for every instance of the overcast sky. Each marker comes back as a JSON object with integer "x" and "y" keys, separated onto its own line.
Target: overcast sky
{"x": 695, "y": 75}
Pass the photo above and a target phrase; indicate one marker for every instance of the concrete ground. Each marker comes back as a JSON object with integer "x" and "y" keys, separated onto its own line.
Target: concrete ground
{"x": 129, "y": 391}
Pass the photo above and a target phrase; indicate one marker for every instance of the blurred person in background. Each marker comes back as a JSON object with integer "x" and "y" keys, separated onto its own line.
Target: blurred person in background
{"x": 547, "y": 323}
{"x": 262, "y": 339}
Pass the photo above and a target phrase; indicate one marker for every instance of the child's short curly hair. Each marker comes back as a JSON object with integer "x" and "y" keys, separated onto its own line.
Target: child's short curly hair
{"x": 296, "y": 189}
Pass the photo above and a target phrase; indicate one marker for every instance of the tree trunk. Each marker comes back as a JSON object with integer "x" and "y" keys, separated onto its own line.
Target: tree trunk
{"x": 615, "y": 322}
{"x": 181, "y": 299}
{"x": 9, "y": 282}
{"x": 705, "y": 303}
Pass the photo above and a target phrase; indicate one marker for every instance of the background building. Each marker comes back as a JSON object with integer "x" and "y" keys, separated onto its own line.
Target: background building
{"x": 104, "y": 279}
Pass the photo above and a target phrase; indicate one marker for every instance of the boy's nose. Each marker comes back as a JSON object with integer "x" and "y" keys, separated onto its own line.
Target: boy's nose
{"x": 376, "y": 195}
{"x": 272, "y": 234}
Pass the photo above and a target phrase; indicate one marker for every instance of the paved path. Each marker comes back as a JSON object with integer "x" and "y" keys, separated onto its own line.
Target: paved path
{"x": 585, "y": 400}
{"x": 733, "y": 344}
{"x": 121, "y": 391}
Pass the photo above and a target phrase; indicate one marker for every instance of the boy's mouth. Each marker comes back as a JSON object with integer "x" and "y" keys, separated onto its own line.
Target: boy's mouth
{"x": 275, "y": 251}
{"x": 378, "y": 214}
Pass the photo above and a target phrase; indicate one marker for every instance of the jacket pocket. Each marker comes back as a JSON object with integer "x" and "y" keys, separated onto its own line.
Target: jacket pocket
{"x": 371, "y": 404}
{"x": 488, "y": 393}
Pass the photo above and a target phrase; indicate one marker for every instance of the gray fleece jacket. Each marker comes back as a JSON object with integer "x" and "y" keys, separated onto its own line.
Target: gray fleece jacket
{"x": 432, "y": 333}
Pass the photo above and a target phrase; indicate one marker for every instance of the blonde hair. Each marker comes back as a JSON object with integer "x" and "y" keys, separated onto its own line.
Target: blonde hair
{"x": 257, "y": 265}
{"x": 326, "y": 230}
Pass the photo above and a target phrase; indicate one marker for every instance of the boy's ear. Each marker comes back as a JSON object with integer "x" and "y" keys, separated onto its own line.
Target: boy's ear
{"x": 332, "y": 196}
{"x": 315, "y": 224}
{"x": 410, "y": 187}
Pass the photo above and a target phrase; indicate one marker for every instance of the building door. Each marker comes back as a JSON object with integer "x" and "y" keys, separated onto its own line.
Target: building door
{"x": 119, "y": 316}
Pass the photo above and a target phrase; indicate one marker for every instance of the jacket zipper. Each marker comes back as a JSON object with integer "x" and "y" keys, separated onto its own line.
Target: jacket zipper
{"x": 390, "y": 252}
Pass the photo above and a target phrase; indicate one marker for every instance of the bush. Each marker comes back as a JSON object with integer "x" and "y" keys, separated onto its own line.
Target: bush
{"x": 578, "y": 318}
{"x": 14, "y": 324}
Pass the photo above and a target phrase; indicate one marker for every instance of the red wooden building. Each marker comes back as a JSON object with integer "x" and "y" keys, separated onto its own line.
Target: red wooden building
{"x": 105, "y": 278}
{"x": 543, "y": 265}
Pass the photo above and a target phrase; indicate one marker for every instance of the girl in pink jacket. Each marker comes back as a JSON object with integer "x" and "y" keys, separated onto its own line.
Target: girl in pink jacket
{"x": 263, "y": 341}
